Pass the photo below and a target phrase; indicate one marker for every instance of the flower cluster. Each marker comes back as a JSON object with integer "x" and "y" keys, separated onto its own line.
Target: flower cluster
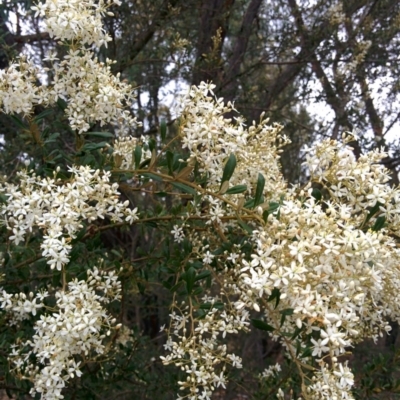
{"x": 92, "y": 92}
{"x": 359, "y": 54}
{"x": 18, "y": 88}
{"x": 178, "y": 233}
{"x": 332, "y": 383}
{"x": 68, "y": 336}
{"x": 124, "y": 152}
{"x": 270, "y": 371}
{"x": 19, "y": 306}
{"x": 196, "y": 339}
{"x": 58, "y": 209}
{"x": 211, "y": 138}
{"x": 196, "y": 343}
{"x": 335, "y": 14}
{"x": 356, "y": 186}
{"x": 200, "y": 355}
{"x": 324, "y": 253}
{"x": 332, "y": 263}
{"x": 76, "y": 20}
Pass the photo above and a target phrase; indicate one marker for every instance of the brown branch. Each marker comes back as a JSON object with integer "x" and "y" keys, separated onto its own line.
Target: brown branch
{"x": 336, "y": 102}
{"x": 146, "y": 36}
{"x": 375, "y": 120}
{"x": 28, "y": 261}
{"x": 308, "y": 61}
{"x": 239, "y": 50}
{"x": 31, "y": 38}
{"x": 214, "y": 18}
{"x": 294, "y": 67}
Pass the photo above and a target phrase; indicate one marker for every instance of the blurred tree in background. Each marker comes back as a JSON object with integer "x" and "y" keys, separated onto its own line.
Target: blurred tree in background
{"x": 320, "y": 67}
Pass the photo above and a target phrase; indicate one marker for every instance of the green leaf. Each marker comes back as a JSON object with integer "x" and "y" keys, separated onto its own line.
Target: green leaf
{"x": 197, "y": 291}
{"x": 200, "y": 314}
{"x": 152, "y": 144}
{"x": 379, "y": 223}
{"x": 176, "y": 287}
{"x": 246, "y": 227}
{"x": 296, "y": 333}
{"x": 229, "y": 168}
{"x": 62, "y": 104}
{"x": 73, "y": 269}
{"x": 79, "y": 235}
{"x": 259, "y": 189}
{"x": 208, "y": 282}
{"x": 373, "y": 211}
{"x": 224, "y": 187}
{"x": 93, "y": 146}
{"x": 18, "y": 121}
{"x": 137, "y": 153}
{"x": 236, "y": 189}
{"x": 170, "y": 161}
{"x": 168, "y": 284}
{"x": 184, "y": 188}
{"x": 56, "y": 278}
{"x": 307, "y": 352}
{"x": 298, "y": 347}
{"x": 43, "y": 114}
{"x": 117, "y": 253}
{"x": 105, "y": 135}
{"x": 203, "y": 275}
{"x": 163, "y": 129}
{"x": 262, "y": 325}
{"x": 249, "y": 203}
{"x": 145, "y": 163}
{"x": 190, "y": 277}
{"x": 52, "y": 138}
{"x": 152, "y": 176}
{"x": 273, "y": 206}
{"x": 284, "y": 313}
{"x": 187, "y": 246}
{"x": 209, "y": 306}
{"x": 275, "y": 295}
{"x": 317, "y": 194}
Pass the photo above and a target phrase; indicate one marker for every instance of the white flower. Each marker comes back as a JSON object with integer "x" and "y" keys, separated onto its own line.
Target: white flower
{"x": 179, "y": 236}
{"x": 59, "y": 210}
{"x": 233, "y": 257}
{"x": 220, "y": 380}
{"x": 131, "y": 215}
{"x": 345, "y": 375}
{"x": 74, "y": 328}
{"x": 208, "y": 257}
{"x": 318, "y": 348}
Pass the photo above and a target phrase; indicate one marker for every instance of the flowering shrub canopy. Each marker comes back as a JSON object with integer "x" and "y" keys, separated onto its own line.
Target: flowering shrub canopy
{"x": 314, "y": 267}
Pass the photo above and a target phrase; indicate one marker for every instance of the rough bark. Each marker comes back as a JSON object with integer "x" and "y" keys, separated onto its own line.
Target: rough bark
{"x": 336, "y": 102}
{"x": 292, "y": 68}
{"x": 214, "y": 18}
{"x": 229, "y": 85}
{"x": 145, "y": 37}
